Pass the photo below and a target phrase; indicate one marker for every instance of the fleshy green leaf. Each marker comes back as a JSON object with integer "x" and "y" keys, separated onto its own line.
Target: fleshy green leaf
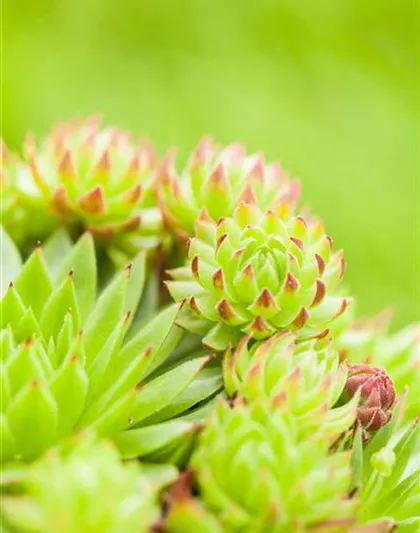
{"x": 122, "y": 383}
{"x": 159, "y": 392}
{"x": 32, "y": 418}
{"x": 69, "y": 388}
{"x": 104, "y": 364}
{"x": 143, "y": 401}
{"x": 27, "y": 326}
{"x": 12, "y": 308}
{"x": 33, "y": 282}
{"x": 135, "y": 283}
{"x": 220, "y": 337}
{"x": 7, "y": 344}
{"x": 23, "y": 366}
{"x": 153, "y": 335}
{"x": 61, "y": 301}
{"x": 81, "y": 260}
{"x": 106, "y": 315}
{"x": 206, "y": 384}
{"x": 64, "y": 339}
{"x": 147, "y": 440}
{"x": 356, "y": 462}
{"x": 10, "y": 260}
{"x": 55, "y": 249}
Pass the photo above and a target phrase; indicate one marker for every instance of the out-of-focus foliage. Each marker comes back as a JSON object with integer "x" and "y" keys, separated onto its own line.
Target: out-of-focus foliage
{"x": 331, "y": 88}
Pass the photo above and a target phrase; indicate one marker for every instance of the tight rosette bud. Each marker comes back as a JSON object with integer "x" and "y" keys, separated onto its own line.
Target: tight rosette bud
{"x": 215, "y": 181}
{"x": 85, "y": 488}
{"x": 255, "y": 474}
{"x": 257, "y": 273}
{"x": 377, "y": 395}
{"x": 370, "y": 342}
{"x": 84, "y": 177}
{"x": 304, "y": 380}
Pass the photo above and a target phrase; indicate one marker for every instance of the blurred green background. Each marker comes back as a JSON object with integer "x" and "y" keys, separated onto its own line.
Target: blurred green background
{"x": 331, "y": 88}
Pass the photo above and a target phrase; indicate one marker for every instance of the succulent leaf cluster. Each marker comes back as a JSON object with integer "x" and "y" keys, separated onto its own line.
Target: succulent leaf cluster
{"x": 68, "y": 363}
{"x": 281, "y": 412}
{"x": 257, "y": 475}
{"x": 83, "y": 177}
{"x": 99, "y": 493}
{"x": 214, "y": 182}
{"x": 303, "y": 380}
{"x": 260, "y": 272}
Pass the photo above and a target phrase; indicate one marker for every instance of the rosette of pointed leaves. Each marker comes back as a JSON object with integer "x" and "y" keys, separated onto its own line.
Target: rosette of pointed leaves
{"x": 83, "y": 177}
{"x": 303, "y": 380}
{"x": 256, "y": 475}
{"x": 71, "y": 359}
{"x": 215, "y": 181}
{"x": 256, "y": 273}
{"x": 85, "y": 489}
{"x": 370, "y": 342}
{"x": 386, "y": 474}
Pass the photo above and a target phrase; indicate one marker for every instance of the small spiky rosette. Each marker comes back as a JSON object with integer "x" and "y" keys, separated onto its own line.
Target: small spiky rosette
{"x": 259, "y": 272}
{"x": 254, "y": 473}
{"x": 304, "y": 380}
{"x": 72, "y": 359}
{"x": 215, "y": 181}
{"x": 84, "y": 488}
{"x": 370, "y": 342}
{"x": 83, "y": 177}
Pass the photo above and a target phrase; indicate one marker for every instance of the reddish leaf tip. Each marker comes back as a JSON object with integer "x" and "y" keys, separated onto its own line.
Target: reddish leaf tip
{"x": 301, "y": 318}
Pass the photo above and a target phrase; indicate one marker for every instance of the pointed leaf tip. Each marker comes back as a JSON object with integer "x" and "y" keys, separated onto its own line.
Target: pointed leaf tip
{"x": 301, "y": 318}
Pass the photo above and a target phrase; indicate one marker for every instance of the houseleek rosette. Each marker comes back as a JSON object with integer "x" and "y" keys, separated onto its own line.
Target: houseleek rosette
{"x": 82, "y": 177}
{"x": 370, "y": 342}
{"x": 71, "y": 359}
{"x": 255, "y": 474}
{"x": 215, "y": 181}
{"x": 304, "y": 380}
{"x": 83, "y": 487}
{"x": 259, "y": 272}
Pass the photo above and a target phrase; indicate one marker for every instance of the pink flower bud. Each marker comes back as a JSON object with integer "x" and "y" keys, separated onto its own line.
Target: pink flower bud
{"x": 377, "y": 395}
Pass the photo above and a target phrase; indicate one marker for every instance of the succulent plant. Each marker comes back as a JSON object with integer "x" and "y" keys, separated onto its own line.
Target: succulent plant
{"x": 256, "y": 475}
{"x": 376, "y": 392}
{"x": 369, "y": 342}
{"x": 71, "y": 359}
{"x": 386, "y": 476}
{"x": 304, "y": 422}
{"x": 214, "y": 182}
{"x": 304, "y": 380}
{"x": 83, "y": 177}
{"x": 84, "y": 488}
{"x": 257, "y": 273}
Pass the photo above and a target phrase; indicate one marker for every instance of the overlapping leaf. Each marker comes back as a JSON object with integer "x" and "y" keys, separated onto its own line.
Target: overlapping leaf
{"x": 66, "y": 363}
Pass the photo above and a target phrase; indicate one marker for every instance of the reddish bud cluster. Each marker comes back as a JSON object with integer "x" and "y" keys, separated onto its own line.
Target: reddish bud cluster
{"x": 377, "y": 395}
